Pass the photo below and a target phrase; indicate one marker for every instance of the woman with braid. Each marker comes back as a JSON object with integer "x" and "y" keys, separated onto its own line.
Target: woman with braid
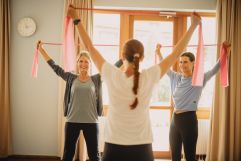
{"x": 128, "y": 135}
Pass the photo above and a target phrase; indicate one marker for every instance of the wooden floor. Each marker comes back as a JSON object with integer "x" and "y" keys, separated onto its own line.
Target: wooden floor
{"x": 34, "y": 159}
{"x": 45, "y": 159}
{"x": 20, "y": 159}
{"x": 30, "y": 159}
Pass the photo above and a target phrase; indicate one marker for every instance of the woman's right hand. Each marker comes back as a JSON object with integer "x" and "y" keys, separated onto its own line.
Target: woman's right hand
{"x": 42, "y": 51}
{"x": 40, "y": 45}
{"x": 158, "y": 47}
{"x": 158, "y": 51}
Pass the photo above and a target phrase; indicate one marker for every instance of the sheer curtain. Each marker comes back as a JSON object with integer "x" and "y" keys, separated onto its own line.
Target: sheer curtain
{"x": 5, "y": 124}
{"x": 225, "y": 134}
{"x": 87, "y": 21}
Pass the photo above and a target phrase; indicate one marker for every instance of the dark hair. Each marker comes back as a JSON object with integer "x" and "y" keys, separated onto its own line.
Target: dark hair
{"x": 189, "y": 55}
{"x": 133, "y": 51}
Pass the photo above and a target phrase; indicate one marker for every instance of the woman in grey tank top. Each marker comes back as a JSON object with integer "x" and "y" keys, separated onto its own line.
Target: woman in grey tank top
{"x": 82, "y": 104}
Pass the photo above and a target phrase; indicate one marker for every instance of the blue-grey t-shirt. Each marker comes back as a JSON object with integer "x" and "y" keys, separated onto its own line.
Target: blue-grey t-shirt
{"x": 185, "y": 96}
{"x": 82, "y": 106}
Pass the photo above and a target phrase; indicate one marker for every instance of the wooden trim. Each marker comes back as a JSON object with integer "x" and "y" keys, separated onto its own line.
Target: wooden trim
{"x": 124, "y": 30}
{"x": 152, "y": 18}
{"x": 105, "y": 110}
{"x": 162, "y": 154}
{"x": 131, "y": 27}
{"x": 180, "y": 27}
{"x": 203, "y": 14}
{"x": 160, "y": 107}
{"x": 202, "y": 113}
{"x": 128, "y": 12}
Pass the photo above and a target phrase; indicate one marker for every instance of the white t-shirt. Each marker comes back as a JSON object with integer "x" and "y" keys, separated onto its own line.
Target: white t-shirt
{"x": 123, "y": 125}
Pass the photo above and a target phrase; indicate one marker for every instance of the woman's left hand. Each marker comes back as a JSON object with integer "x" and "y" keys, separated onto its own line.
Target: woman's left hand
{"x": 72, "y": 12}
{"x": 227, "y": 45}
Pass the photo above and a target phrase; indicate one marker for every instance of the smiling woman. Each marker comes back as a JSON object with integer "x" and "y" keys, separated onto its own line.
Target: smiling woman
{"x": 186, "y": 64}
{"x": 82, "y": 104}
{"x": 83, "y": 66}
{"x": 186, "y": 97}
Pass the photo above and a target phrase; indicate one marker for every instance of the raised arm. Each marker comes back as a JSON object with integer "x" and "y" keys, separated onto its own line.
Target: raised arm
{"x": 94, "y": 53}
{"x": 158, "y": 52}
{"x": 208, "y": 75}
{"x": 42, "y": 51}
{"x": 166, "y": 63}
{"x": 171, "y": 74}
{"x": 57, "y": 69}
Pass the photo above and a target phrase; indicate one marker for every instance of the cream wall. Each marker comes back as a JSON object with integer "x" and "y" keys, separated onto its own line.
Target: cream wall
{"x": 34, "y": 101}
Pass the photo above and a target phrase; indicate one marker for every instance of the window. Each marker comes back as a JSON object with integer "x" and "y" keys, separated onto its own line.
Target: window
{"x": 150, "y": 33}
{"x": 106, "y": 37}
{"x": 151, "y": 30}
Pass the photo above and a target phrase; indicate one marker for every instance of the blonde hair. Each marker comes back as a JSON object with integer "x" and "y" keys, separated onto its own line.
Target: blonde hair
{"x": 83, "y": 53}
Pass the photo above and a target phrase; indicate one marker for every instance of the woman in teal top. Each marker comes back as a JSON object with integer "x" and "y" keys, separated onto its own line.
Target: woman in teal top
{"x": 184, "y": 125}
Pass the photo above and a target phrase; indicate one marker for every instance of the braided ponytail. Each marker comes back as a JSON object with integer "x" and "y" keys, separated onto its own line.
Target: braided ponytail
{"x": 136, "y": 79}
{"x": 133, "y": 52}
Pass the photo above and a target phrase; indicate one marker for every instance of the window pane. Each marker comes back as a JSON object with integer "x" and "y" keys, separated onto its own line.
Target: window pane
{"x": 210, "y": 52}
{"x": 106, "y": 36}
{"x": 150, "y": 33}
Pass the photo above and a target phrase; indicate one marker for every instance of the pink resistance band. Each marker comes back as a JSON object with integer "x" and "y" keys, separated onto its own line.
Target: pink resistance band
{"x": 35, "y": 64}
{"x": 35, "y": 60}
{"x": 224, "y": 66}
{"x": 69, "y": 55}
{"x": 34, "y": 72}
{"x": 198, "y": 73}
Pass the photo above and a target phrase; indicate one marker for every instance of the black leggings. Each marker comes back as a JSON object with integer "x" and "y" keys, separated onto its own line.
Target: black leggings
{"x": 184, "y": 129}
{"x": 114, "y": 152}
{"x": 72, "y": 131}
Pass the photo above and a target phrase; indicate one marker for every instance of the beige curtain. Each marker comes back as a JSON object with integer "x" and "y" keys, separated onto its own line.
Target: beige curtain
{"x": 225, "y": 135}
{"x": 5, "y": 124}
{"x": 87, "y": 21}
